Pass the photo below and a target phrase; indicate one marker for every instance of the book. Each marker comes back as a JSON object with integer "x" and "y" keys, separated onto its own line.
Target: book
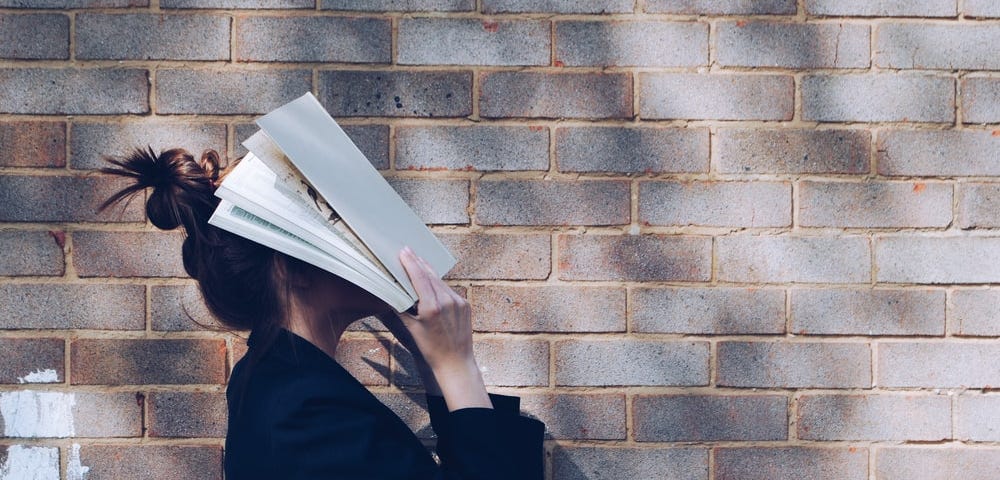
{"x": 304, "y": 189}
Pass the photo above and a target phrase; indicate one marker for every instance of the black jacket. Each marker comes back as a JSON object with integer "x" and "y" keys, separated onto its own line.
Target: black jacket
{"x": 297, "y": 414}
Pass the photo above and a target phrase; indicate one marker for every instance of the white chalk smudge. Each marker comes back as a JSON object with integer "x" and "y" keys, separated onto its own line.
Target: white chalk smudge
{"x": 30, "y": 463}
{"x": 40, "y": 376}
{"x": 74, "y": 470}
{"x": 33, "y": 414}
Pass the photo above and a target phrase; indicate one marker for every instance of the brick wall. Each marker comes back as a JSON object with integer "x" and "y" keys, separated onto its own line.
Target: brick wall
{"x": 703, "y": 239}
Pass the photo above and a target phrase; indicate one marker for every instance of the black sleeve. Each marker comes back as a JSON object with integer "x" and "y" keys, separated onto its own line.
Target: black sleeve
{"x": 487, "y": 444}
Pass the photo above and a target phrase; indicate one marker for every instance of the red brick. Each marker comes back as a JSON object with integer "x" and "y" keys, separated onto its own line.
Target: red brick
{"x": 727, "y": 96}
{"x": 718, "y": 204}
{"x": 72, "y": 306}
{"x": 29, "y": 198}
{"x": 446, "y": 41}
{"x": 147, "y": 362}
{"x": 615, "y": 463}
{"x": 634, "y": 258}
{"x": 784, "y": 259}
{"x": 20, "y": 357}
{"x": 38, "y": 253}
{"x": 231, "y": 91}
{"x": 34, "y": 36}
{"x": 107, "y": 414}
{"x": 57, "y": 91}
{"x": 893, "y": 417}
{"x": 752, "y": 151}
{"x": 791, "y": 463}
{"x": 91, "y": 142}
{"x": 498, "y": 256}
{"x": 547, "y": 95}
{"x": 549, "y": 202}
{"x": 631, "y": 362}
{"x": 367, "y": 359}
{"x": 578, "y": 416}
{"x": 713, "y": 311}
{"x": 152, "y": 462}
{"x": 938, "y": 364}
{"x": 152, "y": 37}
{"x": 547, "y": 308}
{"x": 868, "y": 312}
{"x": 632, "y": 149}
{"x": 187, "y": 414}
{"x": 316, "y": 39}
{"x": 128, "y": 254}
{"x": 973, "y": 313}
{"x": 700, "y": 418}
{"x": 977, "y": 417}
{"x": 936, "y": 463}
{"x": 794, "y": 365}
{"x": 33, "y": 144}
{"x": 179, "y": 307}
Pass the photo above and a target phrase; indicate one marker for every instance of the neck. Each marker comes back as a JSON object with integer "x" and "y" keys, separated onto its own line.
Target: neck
{"x": 321, "y": 329}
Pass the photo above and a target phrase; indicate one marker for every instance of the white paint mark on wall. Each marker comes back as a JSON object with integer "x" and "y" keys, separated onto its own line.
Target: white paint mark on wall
{"x": 30, "y": 463}
{"x": 40, "y": 376}
{"x": 32, "y": 414}
{"x": 74, "y": 470}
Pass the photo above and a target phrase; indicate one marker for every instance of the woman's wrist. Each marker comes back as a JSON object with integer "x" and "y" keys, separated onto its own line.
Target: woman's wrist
{"x": 461, "y": 384}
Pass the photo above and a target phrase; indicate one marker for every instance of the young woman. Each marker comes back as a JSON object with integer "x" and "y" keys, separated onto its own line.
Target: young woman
{"x": 295, "y": 413}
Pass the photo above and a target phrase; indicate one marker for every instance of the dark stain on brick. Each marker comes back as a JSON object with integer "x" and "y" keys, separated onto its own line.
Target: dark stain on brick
{"x": 59, "y": 236}
{"x": 491, "y": 27}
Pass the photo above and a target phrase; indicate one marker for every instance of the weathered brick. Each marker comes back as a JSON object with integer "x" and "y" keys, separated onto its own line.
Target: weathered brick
{"x": 878, "y": 97}
{"x": 793, "y": 45}
{"x": 874, "y": 204}
{"x": 152, "y": 462}
{"x": 719, "y": 204}
{"x": 368, "y": 93}
{"x": 640, "y": 258}
{"x": 631, "y": 43}
{"x": 980, "y": 100}
{"x": 895, "y": 417}
{"x": 179, "y": 307}
{"x": 882, "y": 8}
{"x": 557, "y": 6}
{"x": 714, "y": 311}
{"x": 91, "y": 142}
{"x": 632, "y": 150}
{"x": 977, "y": 418}
{"x": 38, "y": 253}
{"x": 579, "y": 417}
{"x": 631, "y": 362}
{"x": 128, "y": 254}
{"x": 752, "y": 151}
{"x": 793, "y": 259}
{"x": 722, "y": 7}
{"x": 57, "y": 91}
{"x": 228, "y": 91}
{"x": 938, "y": 365}
{"x": 64, "y": 306}
{"x": 436, "y": 201}
{"x": 367, "y": 359}
{"x": 316, "y": 39}
{"x": 791, "y": 463}
{"x": 23, "y": 360}
{"x": 69, "y": 4}
{"x": 34, "y": 36}
{"x": 978, "y": 205}
{"x": 612, "y": 463}
{"x": 400, "y": 5}
{"x": 547, "y": 309}
{"x": 981, "y": 8}
{"x": 974, "y": 313}
{"x": 152, "y": 37}
{"x": 107, "y": 414}
{"x": 794, "y": 365}
{"x": 235, "y": 4}
{"x": 480, "y": 148}
{"x": 930, "y": 463}
{"x": 30, "y": 198}
{"x": 938, "y": 153}
{"x": 548, "y": 202}
{"x": 715, "y": 96}
{"x": 556, "y": 95}
{"x": 449, "y": 41}
{"x": 32, "y": 144}
{"x": 187, "y": 414}
{"x": 940, "y": 46}
{"x": 868, "y": 312}
{"x": 493, "y": 256}
{"x": 503, "y": 362}
{"x": 147, "y": 362}
{"x": 937, "y": 259}
{"x": 372, "y": 140}
{"x": 701, "y": 418}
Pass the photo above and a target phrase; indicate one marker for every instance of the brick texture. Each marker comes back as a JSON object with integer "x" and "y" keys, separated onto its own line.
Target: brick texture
{"x": 107, "y": 415}
{"x": 436, "y": 41}
{"x": 349, "y": 93}
{"x": 981, "y": 9}
{"x": 874, "y": 417}
{"x": 720, "y": 204}
{"x": 65, "y": 306}
{"x": 154, "y": 462}
{"x": 884, "y": 8}
{"x": 506, "y": 202}
{"x": 631, "y": 362}
{"x": 938, "y": 153}
{"x": 435, "y": 201}
{"x": 229, "y": 91}
{"x": 631, "y": 44}
{"x": 125, "y": 254}
{"x": 480, "y": 148}
{"x": 796, "y": 259}
{"x": 91, "y": 142}
{"x": 187, "y": 414}
{"x": 32, "y": 144}
{"x": 131, "y": 362}
{"x": 795, "y": 365}
{"x": 936, "y": 260}
{"x": 632, "y": 150}
{"x": 943, "y": 46}
{"x": 399, "y": 5}
{"x": 38, "y": 253}
{"x": 979, "y": 100}
{"x": 882, "y": 97}
{"x": 789, "y": 45}
{"x": 897, "y": 463}
{"x": 978, "y": 418}
{"x": 978, "y": 205}
{"x": 937, "y": 364}
{"x": 547, "y": 309}
{"x": 583, "y": 416}
{"x": 708, "y": 310}
{"x": 874, "y": 204}
{"x": 971, "y": 312}
{"x": 25, "y": 198}
{"x": 697, "y": 418}
{"x": 715, "y": 97}
{"x": 684, "y": 463}
{"x": 539, "y": 95}
{"x": 57, "y": 91}
{"x": 316, "y": 39}
{"x": 634, "y": 258}
{"x": 789, "y": 463}
{"x": 867, "y": 312}
{"x": 178, "y": 308}
{"x": 754, "y": 151}
{"x": 20, "y": 357}
{"x": 721, "y": 7}
{"x": 500, "y": 256}
{"x": 163, "y": 37}
{"x": 34, "y": 37}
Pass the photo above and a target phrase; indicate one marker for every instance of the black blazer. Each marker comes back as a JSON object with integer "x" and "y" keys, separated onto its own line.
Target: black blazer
{"x": 297, "y": 414}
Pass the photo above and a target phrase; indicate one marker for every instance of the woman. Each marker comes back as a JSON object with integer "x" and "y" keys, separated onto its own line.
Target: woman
{"x": 293, "y": 411}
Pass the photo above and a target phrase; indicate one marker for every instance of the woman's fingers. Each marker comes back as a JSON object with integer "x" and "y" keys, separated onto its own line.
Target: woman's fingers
{"x": 419, "y": 277}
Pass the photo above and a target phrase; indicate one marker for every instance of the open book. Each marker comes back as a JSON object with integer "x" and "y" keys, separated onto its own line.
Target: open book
{"x": 307, "y": 191}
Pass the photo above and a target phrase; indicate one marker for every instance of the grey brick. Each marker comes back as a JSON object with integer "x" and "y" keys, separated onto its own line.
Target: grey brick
{"x": 513, "y": 362}
{"x": 548, "y": 202}
{"x": 177, "y": 308}
{"x": 128, "y": 254}
{"x": 70, "y": 4}
{"x": 436, "y": 201}
{"x": 982, "y": 8}
{"x": 556, "y": 95}
{"x": 29, "y": 198}
{"x": 868, "y": 312}
{"x": 631, "y": 362}
{"x": 791, "y": 463}
{"x": 90, "y": 142}
{"x": 882, "y": 8}
{"x": 316, "y": 39}
{"x": 480, "y": 148}
{"x": 152, "y": 37}
{"x": 974, "y": 313}
{"x": 739, "y": 150}
{"x": 938, "y": 259}
{"x": 671, "y": 418}
{"x": 498, "y": 256}
{"x": 790, "y": 45}
{"x": 879, "y": 97}
{"x": 613, "y": 463}
{"x": 938, "y": 153}
{"x": 980, "y": 100}
{"x": 460, "y": 41}
{"x": 978, "y": 205}
{"x": 57, "y": 91}
{"x": 34, "y": 36}
{"x": 63, "y": 306}
{"x": 632, "y": 150}
{"x": 639, "y": 258}
{"x": 33, "y": 144}
{"x": 939, "y": 364}
{"x": 372, "y": 140}
{"x": 977, "y": 418}
{"x": 152, "y": 462}
{"x": 547, "y": 308}
{"x": 940, "y": 46}
{"x": 794, "y": 259}
{"x": 38, "y": 253}
{"x": 936, "y": 463}
{"x": 187, "y": 414}
{"x": 236, "y": 4}
{"x": 628, "y": 43}
{"x": 147, "y": 361}
{"x": 581, "y": 417}
{"x": 722, "y": 7}
{"x": 794, "y": 365}
{"x": 20, "y": 357}
{"x": 366, "y": 359}
{"x": 400, "y": 5}
{"x": 736, "y": 204}
{"x": 717, "y": 311}
{"x": 874, "y": 204}
{"x": 715, "y": 96}
{"x": 107, "y": 414}
{"x": 228, "y": 91}
{"x": 891, "y": 417}
{"x": 557, "y": 6}
{"x": 369, "y": 93}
